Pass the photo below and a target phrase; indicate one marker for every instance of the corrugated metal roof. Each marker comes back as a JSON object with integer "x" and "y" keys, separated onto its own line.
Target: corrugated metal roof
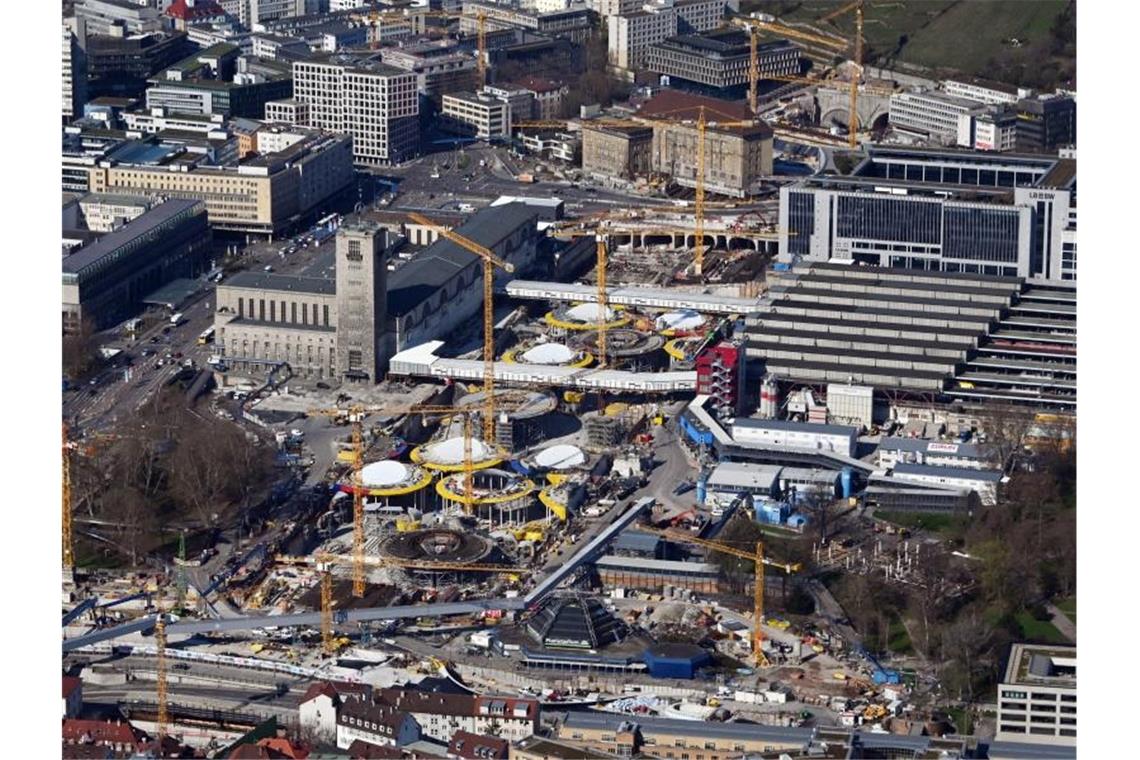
{"x": 744, "y": 475}
{"x": 963, "y": 473}
{"x": 657, "y": 565}
{"x": 802, "y": 427}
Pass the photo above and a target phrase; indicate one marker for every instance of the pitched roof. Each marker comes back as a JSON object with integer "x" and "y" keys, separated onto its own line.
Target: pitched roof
{"x": 334, "y": 689}
{"x": 101, "y": 732}
{"x": 362, "y": 750}
{"x": 202, "y": 9}
{"x": 379, "y": 712}
{"x": 468, "y": 745}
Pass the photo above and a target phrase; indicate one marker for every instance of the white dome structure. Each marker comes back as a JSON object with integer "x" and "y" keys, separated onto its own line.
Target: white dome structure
{"x": 560, "y": 457}
{"x": 685, "y": 319}
{"x": 548, "y": 353}
{"x": 450, "y": 452}
{"x": 384, "y": 474}
{"x": 588, "y": 312}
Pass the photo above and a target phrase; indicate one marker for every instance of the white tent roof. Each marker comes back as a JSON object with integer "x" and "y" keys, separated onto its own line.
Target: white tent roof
{"x": 685, "y": 319}
{"x": 560, "y": 457}
{"x": 384, "y": 474}
{"x": 451, "y": 451}
{"x": 548, "y": 353}
{"x": 588, "y": 312}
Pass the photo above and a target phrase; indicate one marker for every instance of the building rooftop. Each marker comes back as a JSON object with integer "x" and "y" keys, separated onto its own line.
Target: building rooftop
{"x": 674, "y": 105}
{"x": 283, "y": 282}
{"x": 803, "y": 427}
{"x": 959, "y": 473}
{"x": 416, "y": 281}
{"x": 554, "y": 750}
{"x": 917, "y": 445}
{"x": 744, "y": 475}
{"x": 657, "y": 565}
{"x": 1041, "y": 665}
{"x": 144, "y": 225}
{"x": 686, "y": 728}
{"x": 636, "y": 541}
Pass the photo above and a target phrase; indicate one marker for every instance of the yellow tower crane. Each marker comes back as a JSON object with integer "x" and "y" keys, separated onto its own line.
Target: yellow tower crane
{"x": 758, "y": 558}
{"x": 490, "y": 261}
{"x": 355, "y": 415}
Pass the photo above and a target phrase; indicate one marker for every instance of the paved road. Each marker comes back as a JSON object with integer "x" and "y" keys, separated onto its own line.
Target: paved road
{"x": 1062, "y": 623}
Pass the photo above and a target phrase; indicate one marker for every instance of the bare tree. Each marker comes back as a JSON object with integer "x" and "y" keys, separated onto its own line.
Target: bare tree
{"x": 202, "y": 471}
{"x": 136, "y": 518}
{"x": 1005, "y": 428}
{"x": 79, "y": 349}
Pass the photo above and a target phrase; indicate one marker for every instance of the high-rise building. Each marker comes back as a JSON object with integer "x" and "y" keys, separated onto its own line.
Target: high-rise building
{"x": 377, "y": 104}
{"x": 118, "y": 18}
{"x": 74, "y": 69}
{"x": 362, "y": 301}
{"x": 934, "y": 114}
{"x": 631, "y": 34}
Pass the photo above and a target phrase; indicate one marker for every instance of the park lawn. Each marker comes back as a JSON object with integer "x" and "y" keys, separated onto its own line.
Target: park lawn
{"x": 1038, "y": 631}
{"x": 1069, "y": 607}
{"x": 898, "y": 640}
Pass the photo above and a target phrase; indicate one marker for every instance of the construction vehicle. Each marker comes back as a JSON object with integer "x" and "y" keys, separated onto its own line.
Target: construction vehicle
{"x": 757, "y": 556}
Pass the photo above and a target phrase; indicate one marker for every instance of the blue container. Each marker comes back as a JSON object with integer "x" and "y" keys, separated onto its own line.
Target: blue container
{"x": 702, "y": 488}
{"x": 846, "y": 476}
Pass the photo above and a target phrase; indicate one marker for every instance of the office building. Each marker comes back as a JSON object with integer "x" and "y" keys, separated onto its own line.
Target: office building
{"x": 263, "y": 196}
{"x": 475, "y": 114}
{"x": 1046, "y": 123}
{"x": 932, "y": 114}
{"x": 1037, "y": 698}
{"x": 74, "y": 73}
{"x": 251, "y": 12}
{"x": 631, "y": 33}
{"x": 617, "y": 151}
{"x": 106, "y": 281}
{"x": 736, "y": 158}
{"x": 118, "y": 18}
{"x": 993, "y": 129}
{"x": 375, "y": 103}
{"x": 288, "y": 111}
{"x": 440, "y": 67}
{"x": 248, "y": 84}
{"x": 571, "y": 23}
{"x": 719, "y": 61}
{"x": 948, "y": 211}
{"x": 894, "y": 450}
{"x": 120, "y": 66}
{"x": 985, "y": 91}
{"x": 840, "y": 439}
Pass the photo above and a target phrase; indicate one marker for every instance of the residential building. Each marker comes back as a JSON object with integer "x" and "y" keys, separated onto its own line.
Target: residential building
{"x": 288, "y": 111}
{"x": 263, "y": 196}
{"x": 111, "y": 736}
{"x": 736, "y": 158}
{"x": 948, "y": 211}
{"x": 375, "y": 723}
{"x": 932, "y": 114}
{"x": 187, "y": 13}
{"x": 465, "y": 745}
{"x": 441, "y": 715}
{"x": 476, "y": 114}
{"x": 540, "y": 748}
{"x": 120, "y": 66}
{"x": 617, "y": 151}
{"x": 631, "y": 33}
{"x": 984, "y": 91}
{"x": 375, "y": 103}
{"x": 74, "y": 72}
{"x": 1037, "y": 699}
{"x": 118, "y": 18}
{"x": 571, "y": 23}
{"x": 719, "y": 61}
{"x": 106, "y": 281}
{"x": 72, "y": 697}
{"x": 548, "y": 95}
{"x": 805, "y": 435}
{"x": 982, "y": 482}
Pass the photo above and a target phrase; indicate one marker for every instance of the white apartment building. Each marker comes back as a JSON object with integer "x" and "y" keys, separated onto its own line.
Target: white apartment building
{"x": 989, "y": 93}
{"x": 375, "y": 103}
{"x": 1037, "y": 699}
{"x": 631, "y": 33}
{"x": 71, "y": 54}
{"x": 932, "y": 113}
{"x": 804, "y": 435}
{"x": 476, "y": 115}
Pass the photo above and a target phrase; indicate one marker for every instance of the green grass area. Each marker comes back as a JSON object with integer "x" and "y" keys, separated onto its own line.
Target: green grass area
{"x": 899, "y": 640}
{"x": 1038, "y": 631}
{"x": 963, "y": 721}
{"x": 943, "y": 524}
{"x": 965, "y": 35}
{"x": 1069, "y": 607}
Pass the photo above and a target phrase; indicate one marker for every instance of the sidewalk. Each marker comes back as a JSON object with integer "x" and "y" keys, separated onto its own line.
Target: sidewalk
{"x": 1062, "y": 623}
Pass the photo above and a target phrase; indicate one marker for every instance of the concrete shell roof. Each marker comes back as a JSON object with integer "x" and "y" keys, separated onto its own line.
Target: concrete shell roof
{"x": 686, "y": 319}
{"x": 451, "y": 451}
{"x": 548, "y": 353}
{"x": 560, "y": 457}
{"x": 384, "y": 474}
{"x": 588, "y": 312}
